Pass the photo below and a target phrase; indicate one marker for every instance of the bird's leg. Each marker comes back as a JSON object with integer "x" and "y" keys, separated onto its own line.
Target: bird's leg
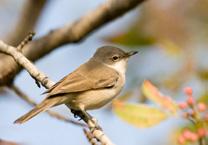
{"x": 92, "y": 122}
{"x": 89, "y": 119}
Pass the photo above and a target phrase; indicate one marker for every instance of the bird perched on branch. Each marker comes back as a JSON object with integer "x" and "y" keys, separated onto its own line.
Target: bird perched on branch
{"x": 90, "y": 86}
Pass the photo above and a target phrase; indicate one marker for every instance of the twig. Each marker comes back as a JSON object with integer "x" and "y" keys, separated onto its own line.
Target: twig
{"x": 24, "y": 62}
{"x": 73, "y": 33}
{"x": 47, "y": 83}
{"x": 27, "y": 99}
{"x": 200, "y": 141}
{"x": 90, "y": 137}
{"x": 27, "y": 21}
{"x": 22, "y": 95}
{"x": 27, "y": 39}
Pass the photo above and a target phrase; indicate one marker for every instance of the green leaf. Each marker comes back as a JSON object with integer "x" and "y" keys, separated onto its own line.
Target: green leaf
{"x": 139, "y": 115}
{"x": 203, "y": 74}
{"x": 203, "y": 97}
{"x": 151, "y": 92}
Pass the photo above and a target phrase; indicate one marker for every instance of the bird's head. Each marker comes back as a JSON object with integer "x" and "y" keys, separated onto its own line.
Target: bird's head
{"x": 113, "y": 56}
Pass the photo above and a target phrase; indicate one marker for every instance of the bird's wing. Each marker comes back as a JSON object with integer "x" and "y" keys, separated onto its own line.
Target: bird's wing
{"x": 85, "y": 78}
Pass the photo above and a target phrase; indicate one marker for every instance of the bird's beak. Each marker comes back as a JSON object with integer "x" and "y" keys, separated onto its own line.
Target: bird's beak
{"x": 128, "y": 54}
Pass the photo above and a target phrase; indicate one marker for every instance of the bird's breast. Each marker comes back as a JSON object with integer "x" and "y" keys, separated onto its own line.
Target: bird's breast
{"x": 94, "y": 99}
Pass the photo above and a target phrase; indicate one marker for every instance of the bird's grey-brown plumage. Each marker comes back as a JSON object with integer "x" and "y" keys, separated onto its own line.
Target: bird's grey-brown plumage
{"x": 90, "y": 86}
{"x": 84, "y": 79}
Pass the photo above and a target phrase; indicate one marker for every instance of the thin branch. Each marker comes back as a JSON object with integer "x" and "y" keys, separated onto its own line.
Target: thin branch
{"x": 31, "y": 102}
{"x": 72, "y": 33}
{"x": 90, "y": 137}
{"x": 25, "y": 41}
{"x": 22, "y": 95}
{"x": 47, "y": 83}
{"x": 27, "y": 21}
{"x": 24, "y": 62}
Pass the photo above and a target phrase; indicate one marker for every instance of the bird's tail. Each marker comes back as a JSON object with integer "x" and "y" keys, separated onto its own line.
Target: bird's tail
{"x": 46, "y": 104}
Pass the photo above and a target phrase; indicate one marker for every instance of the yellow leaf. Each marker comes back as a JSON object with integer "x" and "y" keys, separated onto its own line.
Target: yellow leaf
{"x": 170, "y": 47}
{"x": 151, "y": 92}
{"x": 139, "y": 115}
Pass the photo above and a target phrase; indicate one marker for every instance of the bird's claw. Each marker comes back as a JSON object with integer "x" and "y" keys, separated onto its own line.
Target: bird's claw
{"x": 92, "y": 121}
{"x": 76, "y": 114}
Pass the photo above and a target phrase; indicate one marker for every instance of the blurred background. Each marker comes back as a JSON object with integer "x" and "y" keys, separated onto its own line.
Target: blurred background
{"x": 171, "y": 37}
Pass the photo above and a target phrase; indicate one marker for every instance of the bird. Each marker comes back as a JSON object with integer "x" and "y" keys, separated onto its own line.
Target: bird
{"x": 91, "y": 86}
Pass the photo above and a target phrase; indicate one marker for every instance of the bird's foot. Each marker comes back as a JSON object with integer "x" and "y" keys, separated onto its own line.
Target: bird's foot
{"x": 92, "y": 122}
{"x": 77, "y": 114}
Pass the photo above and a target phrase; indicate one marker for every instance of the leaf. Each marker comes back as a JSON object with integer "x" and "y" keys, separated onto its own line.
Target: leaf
{"x": 203, "y": 97}
{"x": 203, "y": 74}
{"x": 131, "y": 38}
{"x": 151, "y": 92}
{"x": 139, "y": 115}
{"x": 170, "y": 47}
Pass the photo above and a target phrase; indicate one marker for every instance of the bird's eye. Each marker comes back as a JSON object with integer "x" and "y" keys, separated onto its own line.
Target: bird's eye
{"x": 115, "y": 58}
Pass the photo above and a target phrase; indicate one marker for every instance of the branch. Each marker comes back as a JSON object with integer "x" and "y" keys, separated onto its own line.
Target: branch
{"x": 72, "y": 33}
{"x": 26, "y": 23}
{"x": 90, "y": 137}
{"x": 25, "y": 41}
{"x": 24, "y": 62}
{"x": 32, "y": 10}
{"x": 23, "y": 96}
{"x": 47, "y": 83}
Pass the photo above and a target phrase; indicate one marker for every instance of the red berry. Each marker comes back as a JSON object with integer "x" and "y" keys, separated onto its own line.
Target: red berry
{"x": 183, "y": 105}
{"x": 190, "y": 100}
{"x": 193, "y": 137}
{"x": 187, "y": 134}
{"x": 188, "y": 91}
{"x": 201, "y": 107}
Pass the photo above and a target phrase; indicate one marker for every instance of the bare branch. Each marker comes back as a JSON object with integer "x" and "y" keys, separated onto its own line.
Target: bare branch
{"x": 24, "y": 62}
{"x": 46, "y": 82}
{"x": 25, "y": 41}
{"x": 90, "y": 137}
{"x": 73, "y": 33}
{"x": 27, "y": 99}
{"x": 32, "y": 10}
